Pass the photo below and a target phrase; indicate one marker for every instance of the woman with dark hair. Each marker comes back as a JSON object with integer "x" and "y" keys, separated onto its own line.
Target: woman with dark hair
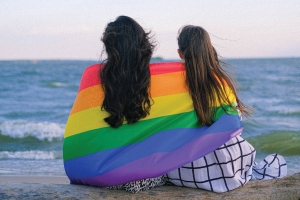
{"x": 126, "y": 81}
{"x": 126, "y": 75}
{"x": 123, "y": 95}
{"x": 231, "y": 165}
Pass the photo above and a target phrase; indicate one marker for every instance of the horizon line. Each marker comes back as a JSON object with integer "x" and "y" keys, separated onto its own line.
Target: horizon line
{"x": 153, "y": 58}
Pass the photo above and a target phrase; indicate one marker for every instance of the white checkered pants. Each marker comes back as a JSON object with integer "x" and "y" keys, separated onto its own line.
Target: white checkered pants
{"x": 228, "y": 167}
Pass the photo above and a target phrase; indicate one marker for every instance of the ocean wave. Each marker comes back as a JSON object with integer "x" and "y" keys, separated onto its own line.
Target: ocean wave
{"x": 285, "y": 143}
{"x": 31, "y": 155}
{"x": 57, "y": 84}
{"x": 286, "y": 113}
{"x": 41, "y": 130}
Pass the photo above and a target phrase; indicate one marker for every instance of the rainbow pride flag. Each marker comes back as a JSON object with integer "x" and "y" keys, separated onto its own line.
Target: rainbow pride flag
{"x": 98, "y": 155}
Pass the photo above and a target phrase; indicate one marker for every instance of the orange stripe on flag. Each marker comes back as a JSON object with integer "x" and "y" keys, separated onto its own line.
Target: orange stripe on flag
{"x": 161, "y": 85}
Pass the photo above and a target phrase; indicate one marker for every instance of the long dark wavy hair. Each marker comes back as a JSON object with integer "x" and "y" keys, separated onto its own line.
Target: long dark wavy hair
{"x": 126, "y": 75}
{"x": 205, "y": 76}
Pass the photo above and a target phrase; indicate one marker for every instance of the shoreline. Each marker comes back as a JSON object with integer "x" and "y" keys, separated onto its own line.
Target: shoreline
{"x": 58, "y": 187}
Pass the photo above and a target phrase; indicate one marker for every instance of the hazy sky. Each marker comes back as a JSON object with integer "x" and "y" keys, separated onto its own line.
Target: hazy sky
{"x": 71, "y": 29}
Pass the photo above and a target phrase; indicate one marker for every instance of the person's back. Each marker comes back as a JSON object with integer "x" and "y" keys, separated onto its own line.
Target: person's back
{"x": 124, "y": 78}
{"x": 232, "y": 164}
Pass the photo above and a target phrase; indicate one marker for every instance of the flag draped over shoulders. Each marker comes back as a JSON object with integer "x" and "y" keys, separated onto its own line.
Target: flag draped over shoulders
{"x": 96, "y": 154}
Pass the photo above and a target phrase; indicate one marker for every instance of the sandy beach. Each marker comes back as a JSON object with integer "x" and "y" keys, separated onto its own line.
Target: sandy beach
{"x": 35, "y": 179}
{"x": 46, "y": 187}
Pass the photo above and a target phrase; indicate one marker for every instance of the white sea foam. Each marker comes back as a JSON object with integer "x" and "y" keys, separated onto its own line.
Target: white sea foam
{"x": 33, "y": 155}
{"x": 40, "y": 130}
{"x": 58, "y": 84}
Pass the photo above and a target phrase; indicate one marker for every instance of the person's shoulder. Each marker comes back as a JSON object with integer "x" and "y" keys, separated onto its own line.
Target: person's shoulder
{"x": 90, "y": 76}
{"x": 92, "y": 68}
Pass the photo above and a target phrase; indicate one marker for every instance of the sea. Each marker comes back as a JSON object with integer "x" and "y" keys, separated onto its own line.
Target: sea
{"x": 36, "y": 97}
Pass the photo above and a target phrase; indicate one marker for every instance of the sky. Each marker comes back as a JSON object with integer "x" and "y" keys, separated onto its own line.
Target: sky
{"x": 72, "y": 29}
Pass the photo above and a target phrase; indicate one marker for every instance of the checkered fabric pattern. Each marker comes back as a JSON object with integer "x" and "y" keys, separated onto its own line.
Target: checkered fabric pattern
{"x": 227, "y": 168}
{"x": 273, "y": 166}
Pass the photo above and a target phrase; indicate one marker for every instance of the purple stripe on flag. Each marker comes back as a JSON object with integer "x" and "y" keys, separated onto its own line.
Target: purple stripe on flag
{"x": 99, "y": 163}
{"x": 160, "y": 163}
